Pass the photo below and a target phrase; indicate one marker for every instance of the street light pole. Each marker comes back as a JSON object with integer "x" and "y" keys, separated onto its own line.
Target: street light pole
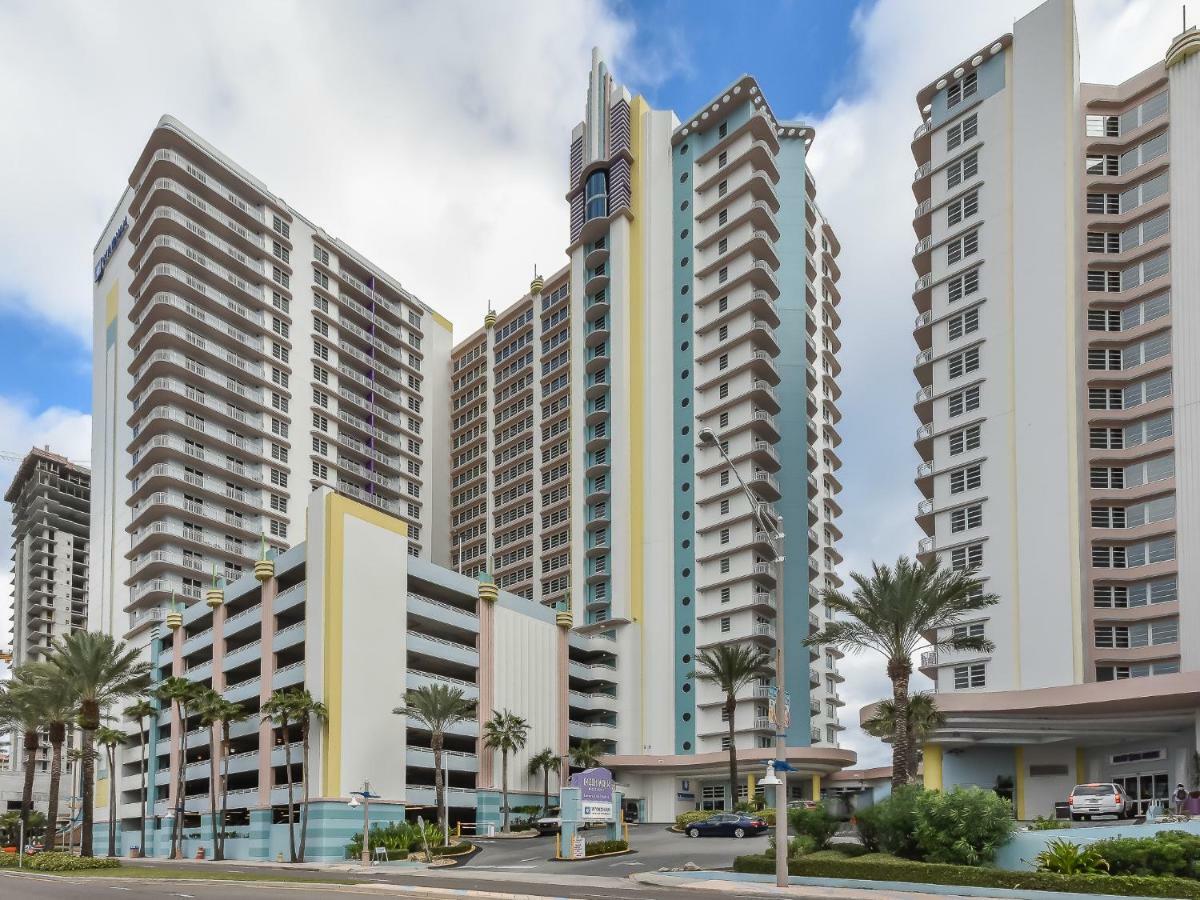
{"x": 367, "y": 797}
{"x": 770, "y": 527}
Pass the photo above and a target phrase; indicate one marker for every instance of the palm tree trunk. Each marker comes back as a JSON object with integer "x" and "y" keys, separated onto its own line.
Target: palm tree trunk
{"x": 731, "y": 706}
{"x": 439, "y": 786}
{"x": 112, "y": 800}
{"x": 31, "y": 748}
{"x": 213, "y": 786}
{"x": 87, "y": 793}
{"x": 287, "y": 757}
{"x": 224, "y": 782}
{"x": 58, "y": 733}
{"x": 546, "y": 791}
{"x": 304, "y": 780}
{"x": 180, "y": 786}
{"x": 899, "y": 672}
{"x": 142, "y": 743}
{"x": 504, "y": 786}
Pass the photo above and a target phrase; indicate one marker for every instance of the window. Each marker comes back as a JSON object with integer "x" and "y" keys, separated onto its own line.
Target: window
{"x": 962, "y": 170}
{"x": 966, "y": 479}
{"x": 962, "y": 208}
{"x": 723, "y": 275}
{"x": 963, "y": 401}
{"x": 725, "y": 624}
{"x": 320, "y": 470}
{"x": 280, "y": 277}
{"x": 963, "y": 131}
{"x": 722, "y": 188}
{"x": 1104, "y": 164}
{"x": 961, "y": 90}
{"x": 973, "y": 629}
{"x": 321, "y": 255}
{"x": 1104, "y": 320}
{"x": 723, "y": 130}
{"x": 1104, "y": 398}
{"x": 963, "y": 323}
{"x": 966, "y": 558}
{"x": 970, "y": 676}
{"x": 1104, "y": 478}
{"x": 723, "y": 333}
{"x": 1100, "y": 359}
{"x": 595, "y": 196}
{"x": 723, "y": 159}
{"x": 964, "y": 363}
{"x": 281, "y": 226}
{"x": 320, "y": 279}
{"x": 1103, "y": 126}
{"x": 961, "y": 285}
{"x": 723, "y": 245}
{"x": 1103, "y": 242}
{"x": 1104, "y": 204}
{"x": 967, "y": 439}
{"x": 962, "y": 247}
{"x": 966, "y": 517}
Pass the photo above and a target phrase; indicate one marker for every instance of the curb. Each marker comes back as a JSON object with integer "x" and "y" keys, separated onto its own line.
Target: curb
{"x": 572, "y": 859}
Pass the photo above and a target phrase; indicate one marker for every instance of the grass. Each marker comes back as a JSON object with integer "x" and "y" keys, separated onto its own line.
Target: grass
{"x": 190, "y": 874}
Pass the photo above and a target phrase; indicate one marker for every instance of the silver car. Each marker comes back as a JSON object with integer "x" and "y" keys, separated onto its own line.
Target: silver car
{"x": 1099, "y": 799}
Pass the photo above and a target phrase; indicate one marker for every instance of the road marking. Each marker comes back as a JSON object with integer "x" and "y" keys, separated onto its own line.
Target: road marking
{"x": 113, "y": 887}
{"x": 628, "y": 864}
{"x": 503, "y": 867}
{"x": 189, "y": 896}
{"x": 531, "y": 859}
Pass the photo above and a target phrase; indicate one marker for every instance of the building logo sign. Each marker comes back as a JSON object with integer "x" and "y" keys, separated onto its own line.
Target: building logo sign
{"x": 111, "y": 249}
{"x": 595, "y": 794}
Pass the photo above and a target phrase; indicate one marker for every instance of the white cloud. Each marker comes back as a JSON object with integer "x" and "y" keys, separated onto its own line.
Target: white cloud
{"x": 431, "y": 136}
{"x": 863, "y": 166}
{"x": 67, "y": 432}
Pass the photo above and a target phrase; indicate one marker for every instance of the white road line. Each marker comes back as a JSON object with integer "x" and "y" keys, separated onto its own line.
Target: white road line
{"x": 531, "y": 859}
{"x": 113, "y": 887}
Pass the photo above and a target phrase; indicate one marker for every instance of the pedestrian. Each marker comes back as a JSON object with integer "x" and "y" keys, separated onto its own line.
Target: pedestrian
{"x": 1179, "y": 796}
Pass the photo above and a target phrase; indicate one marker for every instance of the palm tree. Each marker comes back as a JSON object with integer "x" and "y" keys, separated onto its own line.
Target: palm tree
{"x": 231, "y": 714}
{"x": 183, "y": 694}
{"x": 586, "y": 754}
{"x": 102, "y": 672}
{"x": 279, "y": 710}
{"x": 19, "y": 713}
{"x": 211, "y": 706}
{"x": 140, "y": 712}
{"x": 506, "y": 732}
{"x": 57, "y": 707}
{"x": 109, "y": 739}
{"x": 438, "y": 707}
{"x": 544, "y": 762}
{"x": 306, "y": 708}
{"x": 923, "y": 719}
{"x": 730, "y": 667}
{"x": 895, "y": 611}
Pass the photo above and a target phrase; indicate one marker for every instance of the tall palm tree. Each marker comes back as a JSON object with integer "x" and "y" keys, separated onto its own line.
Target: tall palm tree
{"x": 140, "y": 712}
{"x": 102, "y": 672}
{"x": 57, "y": 707}
{"x": 110, "y": 739}
{"x": 895, "y": 611}
{"x": 18, "y": 711}
{"x": 730, "y": 667}
{"x": 279, "y": 710}
{"x": 923, "y": 719}
{"x": 506, "y": 732}
{"x": 231, "y": 714}
{"x": 211, "y": 706}
{"x": 586, "y": 754}
{"x": 438, "y": 707}
{"x": 182, "y": 694}
{"x": 305, "y": 710}
{"x": 545, "y": 762}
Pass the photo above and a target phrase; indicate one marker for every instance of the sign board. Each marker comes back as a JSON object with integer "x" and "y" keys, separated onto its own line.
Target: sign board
{"x": 102, "y": 264}
{"x": 578, "y": 847}
{"x": 595, "y": 794}
{"x": 781, "y": 707}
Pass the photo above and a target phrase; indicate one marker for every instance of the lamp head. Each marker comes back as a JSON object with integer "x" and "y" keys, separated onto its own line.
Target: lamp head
{"x": 707, "y": 436}
{"x": 769, "y": 779}
{"x": 353, "y": 804}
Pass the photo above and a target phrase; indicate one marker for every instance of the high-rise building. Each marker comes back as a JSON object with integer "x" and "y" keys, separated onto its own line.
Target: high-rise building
{"x": 1056, "y": 225}
{"x": 50, "y": 498}
{"x": 244, "y": 356}
{"x": 579, "y": 477}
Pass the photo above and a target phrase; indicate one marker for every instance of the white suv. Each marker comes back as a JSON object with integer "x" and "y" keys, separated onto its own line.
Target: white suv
{"x": 1101, "y": 799}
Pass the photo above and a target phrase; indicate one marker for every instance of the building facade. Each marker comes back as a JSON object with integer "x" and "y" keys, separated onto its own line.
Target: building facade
{"x": 1053, "y": 290}
{"x": 243, "y": 356}
{"x": 578, "y": 475}
{"x": 50, "y": 497}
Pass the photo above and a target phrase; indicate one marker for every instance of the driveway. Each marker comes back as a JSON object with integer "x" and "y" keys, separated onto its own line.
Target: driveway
{"x": 655, "y": 848}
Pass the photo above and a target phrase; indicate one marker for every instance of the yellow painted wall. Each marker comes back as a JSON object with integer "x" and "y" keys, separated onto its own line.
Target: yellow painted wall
{"x": 933, "y": 767}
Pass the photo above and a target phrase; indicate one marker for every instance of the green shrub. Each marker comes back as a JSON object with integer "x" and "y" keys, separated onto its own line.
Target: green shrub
{"x": 68, "y": 862}
{"x": 684, "y": 819}
{"x": 797, "y": 846}
{"x": 1064, "y": 858}
{"x": 1164, "y": 853}
{"x": 884, "y": 867}
{"x": 395, "y": 837}
{"x": 891, "y": 824}
{"x": 817, "y": 824}
{"x": 1043, "y": 824}
{"x": 595, "y": 848}
{"x": 964, "y": 826}
{"x": 853, "y": 849}
{"x": 450, "y": 849}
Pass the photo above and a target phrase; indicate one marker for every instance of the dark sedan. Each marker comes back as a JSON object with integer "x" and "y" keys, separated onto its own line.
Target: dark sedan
{"x": 727, "y": 825}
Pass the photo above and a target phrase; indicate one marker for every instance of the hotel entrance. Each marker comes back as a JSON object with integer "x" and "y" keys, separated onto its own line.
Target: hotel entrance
{"x": 1142, "y": 790}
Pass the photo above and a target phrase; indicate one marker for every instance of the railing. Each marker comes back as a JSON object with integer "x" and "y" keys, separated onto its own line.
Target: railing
{"x": 924, "y": 470}
{"x": 763, "y": 723}
{"x": 925, "y": 507}
{"x": 924, "y": 545}
{"x": 437, "y": 677}
{"x": 922, "y": 209}
{"x": 923, "y": 357}
{"x": 764, "y": 629}
{"x": 287, "y": 591}
{"x": 925, "y": 393}
{"x": 923, "y": 129}
{"x": 443, "y": 604}
{"x": 924, "y": 431}
{"x": 295, "y": 665}
{"x": 816, "y": 736}
{"x": 923, "y": 170}
{"x": 437, "y": 640}
{"x": 814, "y": 677}
{"x": 244, "y": 614}
{"x": 928, "y": 659}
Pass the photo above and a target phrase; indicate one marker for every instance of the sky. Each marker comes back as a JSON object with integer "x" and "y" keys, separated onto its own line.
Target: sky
{"x": 433, "y": 137}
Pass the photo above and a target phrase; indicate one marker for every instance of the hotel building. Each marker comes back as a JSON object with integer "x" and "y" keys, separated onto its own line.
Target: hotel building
{"x": 1056, "y": 265}
{"x": 528, "y": 515}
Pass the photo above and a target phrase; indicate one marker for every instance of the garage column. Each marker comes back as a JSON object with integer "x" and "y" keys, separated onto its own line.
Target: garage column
{"x": 816, "y": 788}
{"x": 933, "y": 767}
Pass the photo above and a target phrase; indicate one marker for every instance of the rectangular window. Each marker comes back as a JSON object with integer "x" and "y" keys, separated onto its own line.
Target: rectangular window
{"x": 964, "y": 363}
{"x": 963, "y": 131}
{"x": 962, "y": 208}
{"x": 962, "y": 285}
{"x": 970, "y": 676}
{"x": 965, "y": 440}
{"x": 966, "y": 517}
{"x": 963, "y": 401}
{"x": 973, "y": 629}
{"x": 961, "y": 90}
{"x": 962, "y": 324}
{"x": 966, "y": 558}
{"x": 967, "y": 479}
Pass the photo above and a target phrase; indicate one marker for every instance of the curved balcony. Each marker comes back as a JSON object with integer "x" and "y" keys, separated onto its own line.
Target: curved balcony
{"x": 922, "y": 184}
{"x": 596, "y": 280}
{"x": 923, "y": 404}
{"x": 924, "y": 440}
{"x": 758, "y": 214}
{"x": 595, "y": 254}
{"x": 922, "y": 293}
{"x": 925, "y": 516}
{"x": 766, "y": 484}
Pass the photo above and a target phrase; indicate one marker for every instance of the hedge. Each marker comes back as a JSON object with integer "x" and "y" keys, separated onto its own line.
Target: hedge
{"x": 596, "y": 848}
{"x": 883, "y": 867}
{"x": 58, "y": 862}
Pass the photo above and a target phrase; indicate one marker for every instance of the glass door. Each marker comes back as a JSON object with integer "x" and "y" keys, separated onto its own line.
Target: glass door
{"x": 1144, "y": 789}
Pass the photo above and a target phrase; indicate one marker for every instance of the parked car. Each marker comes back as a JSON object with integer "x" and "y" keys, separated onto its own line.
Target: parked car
{"x": 727, "y": 825}
{"x": 1099, "y": 799}
{"x": 551, "y": 824}
{"x": 803, "y": 804}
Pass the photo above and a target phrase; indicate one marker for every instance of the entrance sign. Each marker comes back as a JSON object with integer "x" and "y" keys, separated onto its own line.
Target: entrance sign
{"x": 595, "y": 794}
{"x": 578, "y": 847}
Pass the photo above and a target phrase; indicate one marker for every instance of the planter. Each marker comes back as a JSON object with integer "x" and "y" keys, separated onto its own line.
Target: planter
{"x": 571, "y": 859}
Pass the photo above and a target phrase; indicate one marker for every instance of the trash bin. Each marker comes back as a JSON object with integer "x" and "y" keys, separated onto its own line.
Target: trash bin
{"x": 1062, "y": 809}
